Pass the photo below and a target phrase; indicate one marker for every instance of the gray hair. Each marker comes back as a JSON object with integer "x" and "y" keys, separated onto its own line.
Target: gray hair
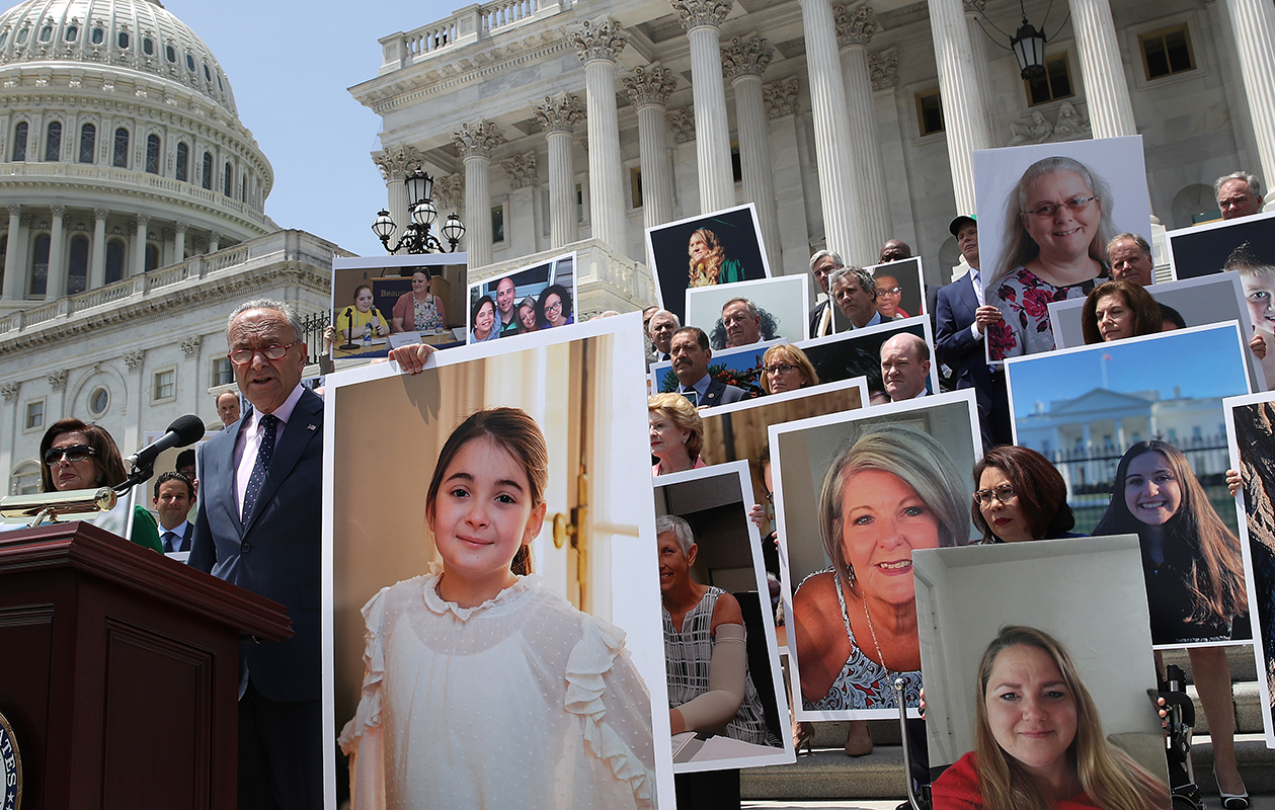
{"x": 679, "y": 528}
{"x": 288, "y": 311}
{"x": 1254, "y": 185}
{"x": 677, "y": 322}
{"x": 919, "y": 460}
{"x": 752, "y": 308}
{"x": 1131, "y": 237}
{"x": 819, "y": 254}
{"x": 916, "y": 343}
{"x": 863, "y": 277}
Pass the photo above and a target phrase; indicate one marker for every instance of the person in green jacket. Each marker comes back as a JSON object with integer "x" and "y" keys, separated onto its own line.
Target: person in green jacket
{"x": 708, "y": 262}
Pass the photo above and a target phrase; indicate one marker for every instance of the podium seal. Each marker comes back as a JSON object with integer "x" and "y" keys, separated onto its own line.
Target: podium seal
{"x": 10, "y": 768}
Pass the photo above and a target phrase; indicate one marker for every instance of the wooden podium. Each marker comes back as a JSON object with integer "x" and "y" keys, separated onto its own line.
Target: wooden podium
{"x": 119, "y": 671}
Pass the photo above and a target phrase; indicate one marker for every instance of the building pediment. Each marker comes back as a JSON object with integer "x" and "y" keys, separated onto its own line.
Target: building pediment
{"x": 1101, "y": 400}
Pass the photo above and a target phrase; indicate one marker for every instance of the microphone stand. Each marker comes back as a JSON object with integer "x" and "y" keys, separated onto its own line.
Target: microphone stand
{"x": 349, "y": 345}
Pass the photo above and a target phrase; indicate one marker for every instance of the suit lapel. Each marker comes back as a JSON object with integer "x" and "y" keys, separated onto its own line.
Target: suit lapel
{"x": 306, "y": 423}
{"x": 219, "y": 472}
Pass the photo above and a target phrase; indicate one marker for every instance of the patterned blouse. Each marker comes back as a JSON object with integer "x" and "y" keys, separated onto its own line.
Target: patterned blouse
{"x": 1023, "y": 299}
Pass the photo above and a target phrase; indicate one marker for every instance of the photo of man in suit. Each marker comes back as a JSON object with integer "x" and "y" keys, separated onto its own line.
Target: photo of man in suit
{"x": 174, "y": 497}
{"x": 259, "y": 527}
{"x": 691, "y": 353}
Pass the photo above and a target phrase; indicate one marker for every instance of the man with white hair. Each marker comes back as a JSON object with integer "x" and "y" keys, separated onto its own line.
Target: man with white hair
{"x": 1239, "y": 194}
{"x": 660, "y": 330}
{"x": 905, "y": 366}
{"x": 821, "y": 264}
{"x": 742, "y": 322}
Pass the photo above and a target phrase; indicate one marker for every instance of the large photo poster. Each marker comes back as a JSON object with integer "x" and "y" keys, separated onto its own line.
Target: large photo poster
{"x": 465, "y": 474}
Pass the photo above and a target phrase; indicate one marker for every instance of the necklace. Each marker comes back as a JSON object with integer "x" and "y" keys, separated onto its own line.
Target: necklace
{"x": 875, "y": 643}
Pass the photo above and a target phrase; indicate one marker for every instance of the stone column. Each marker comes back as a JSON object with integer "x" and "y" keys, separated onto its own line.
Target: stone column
{"x": 744, "y": 62}
{"x": 855, "y": 28}
{"x": 702, "y": 20}
{"x": 598, "y": 44}
{"x": 476, "y": 145}
{"x": 559, "y": 115}
{"x": 1106, "y": 91}
{"x": 962, "y": 102}
{"x": 395, "y": 164}
{"x": 780, "y": 98}
{"x": 520, "y": 215}
{"x": 649, "y": 90}
{"x": 214, "y": 242}
{"x": 55, "y": 286}
{"x": 179, "y": 242}
{"x": 978, "y": 51}
{"x": 139, "y": 245}
{"x": 838, "y": 190}
{"x": 13, "y": 288}
{"x": 97, "y": 268}
{"x": 1253, "y": 27}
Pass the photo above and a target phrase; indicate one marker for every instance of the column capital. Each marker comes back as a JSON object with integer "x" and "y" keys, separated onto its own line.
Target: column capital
{"x": 58, "y": 210}
{"x": 134, "y": 359}
{"x": 855, "y": 26}
{"x": 190, "y": 345}
{"x": 560, "y": 113}
{"x": 601, "y": 39}
{"x": 449, "y": 190}
{"x": 214, "y": 236}
{"x": 15, "y": 209}
{"x": 746, "y": 57}
{"x": 883, "y": 67}
{"x": 180, "y": 227}
{"x": 477, "y": 141}
{"x": 780, "y": 97}
{"x": 57, "y": 379}
{"x": 397, "y": 161}
{"x": 101, "y": 213}
{"x": 697, "y": 13}
{"x": 650, "y": 86}
{"x": 10, "y": 391}
{"x": 142, "y": 220}
{"x": 682, "y": 121}
{"x": 521, "y": 170}
{"x": 975, "y": 6}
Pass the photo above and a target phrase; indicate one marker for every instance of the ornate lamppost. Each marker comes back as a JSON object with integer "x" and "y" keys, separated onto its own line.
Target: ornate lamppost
{"x": 417, "y": 237}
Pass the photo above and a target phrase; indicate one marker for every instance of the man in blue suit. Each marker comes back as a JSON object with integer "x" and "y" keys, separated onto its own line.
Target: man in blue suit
{"x": 691, "y": 354}
{"x": 961, "y": 323}
{"x": 259, "y": 527}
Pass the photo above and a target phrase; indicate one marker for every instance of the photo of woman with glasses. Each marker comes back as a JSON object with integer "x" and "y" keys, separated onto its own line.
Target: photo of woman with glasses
{"x": 554, "y": 307}
{"x": 1020, "y": 496}
{"x": 786, "y": 368}
{"x": 1057, "y": 224}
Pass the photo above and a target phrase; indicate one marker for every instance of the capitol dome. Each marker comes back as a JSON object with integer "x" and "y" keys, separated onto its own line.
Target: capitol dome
{"x": 121, "y": 148}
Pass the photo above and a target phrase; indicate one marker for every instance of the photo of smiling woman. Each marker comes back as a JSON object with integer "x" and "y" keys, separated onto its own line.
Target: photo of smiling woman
{"x": 478, "y": 672}
{"x": 893, "y": 489}
{"x": 1039, "y": 743}
{"x": 1191, "y": 561}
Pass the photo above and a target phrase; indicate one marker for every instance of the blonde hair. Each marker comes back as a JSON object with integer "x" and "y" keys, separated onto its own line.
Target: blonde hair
{"x": 707, "y": 272}
{"x": 679, "y": 410}
{"x": 1112, "y": 780}
{"x": 785, "y": 353}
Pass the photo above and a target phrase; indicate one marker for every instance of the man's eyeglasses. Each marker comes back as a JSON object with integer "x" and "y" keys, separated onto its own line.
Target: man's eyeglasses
{"x": 242, "y": 357}
{"x": 1004, "y": 494}
{"x": 1074, "y": 205}
{"x": 72, "y": 453}
{"x": 779, "y": 368}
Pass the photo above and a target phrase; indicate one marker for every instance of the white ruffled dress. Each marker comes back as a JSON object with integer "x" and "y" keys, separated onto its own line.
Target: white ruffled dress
{"x": 522, "y": 701}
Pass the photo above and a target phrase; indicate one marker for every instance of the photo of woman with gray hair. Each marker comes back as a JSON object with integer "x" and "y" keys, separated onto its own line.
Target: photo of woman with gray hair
{"x": 892, "y": 489}
{"x": 1057, "y": 225}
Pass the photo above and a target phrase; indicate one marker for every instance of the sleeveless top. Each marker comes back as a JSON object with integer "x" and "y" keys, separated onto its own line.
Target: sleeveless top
{"x": 687, "y": 656}
{"x": 862, "y": 682}
{"x": 426, "y": 314}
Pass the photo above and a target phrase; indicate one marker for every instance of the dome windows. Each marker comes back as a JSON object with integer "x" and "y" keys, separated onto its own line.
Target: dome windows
{"x": 190, "y": 63}
{"x": 23, "y": 34}
{"x": 20, "y": 142}
{"x": 72, "y": 31}
{"x": 88, "y": 142}
{"x": 120, "y": 158}
{"x": 53, "y": 142}
{"x": 121, "y": 40}
{"x": 148, "y": 46}
{"x": 46, "y": 33}
{"x": 152, "y": 154}
{"x": 207, "y": 75}
{"x": 98, "y": 36}
{"x": 208, "y": 171}
{"x": 183, "y": 162}
{"x": 170, "y": 53}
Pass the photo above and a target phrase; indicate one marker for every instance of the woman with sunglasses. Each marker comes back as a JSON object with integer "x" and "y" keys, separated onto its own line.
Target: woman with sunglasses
{"x": 1020, "y": 496}
{"x": 83, "y": 456}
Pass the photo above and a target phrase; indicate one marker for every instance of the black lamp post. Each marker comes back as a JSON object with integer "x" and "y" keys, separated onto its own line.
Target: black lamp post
{"x": 1029, "y": 49}
{"x": 417, "y": 237}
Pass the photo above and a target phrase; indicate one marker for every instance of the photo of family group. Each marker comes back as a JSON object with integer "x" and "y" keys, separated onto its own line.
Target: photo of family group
{"x": 523, "y": 301}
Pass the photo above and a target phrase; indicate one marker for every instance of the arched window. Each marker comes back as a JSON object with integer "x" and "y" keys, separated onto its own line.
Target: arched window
{"x": 4, "y": 252}
{"x": 228, "y": 182}
{"x": 40, "y": 267}
{"x": 77, "y": 279}
{"x": 46, "y": 33}
{"x": 120, "y": 158}
{"x": 148, "y": 46}
{"x": 208, "y": 171}
{"x": 72, "y": 31}
{"x": 170, "y": 53}
{"x": 243, "y": 188}
{"x": 20, "y": 142}
{"x": 114, "y": 260}
{"x": 183, "y": 162}
{"x": 152, "y": 154}
{"x": 121, "y": 39}
{"x": 53, "y": 141}
{"x": 152, "y": 256}
{"x": 97, "y": 36}
{"x": 88, "y": 143}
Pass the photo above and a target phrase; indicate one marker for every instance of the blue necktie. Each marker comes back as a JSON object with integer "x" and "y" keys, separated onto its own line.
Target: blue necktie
{"x": 269, "y": 423}
{"x": 171, "y": 542}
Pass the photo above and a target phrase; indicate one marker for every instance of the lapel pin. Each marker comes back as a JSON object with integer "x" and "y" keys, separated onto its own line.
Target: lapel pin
{"x": 311, "y": 426}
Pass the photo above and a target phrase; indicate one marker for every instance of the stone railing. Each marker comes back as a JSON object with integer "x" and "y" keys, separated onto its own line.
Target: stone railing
{"x": 605, "y": 278}
{"x": 462, "y": 28}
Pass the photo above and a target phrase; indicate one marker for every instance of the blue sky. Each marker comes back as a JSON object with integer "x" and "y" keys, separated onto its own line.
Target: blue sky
{"x": 290, "y": 65}
{"x": 1208, "y": 363}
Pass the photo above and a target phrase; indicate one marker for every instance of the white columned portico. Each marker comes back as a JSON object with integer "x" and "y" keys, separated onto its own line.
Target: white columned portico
{"x": 649, "y": 90}
{"x": 963, "y": 119}
{"x": 598, "y": 43}
{"x": 97, "y": 266}
{"x": 139, "y": 245}
{"x": 1106, "y": 91}
{"x": 744, "y": 62}
{"x": 1253, "y": 28}
{"x": 476, "y": 144}
{"x": 855, "y": 28}
{"x": 55, "y": 286}
{"x": 838, "y": 189}
{"x": 702, "y": 20}
{"x": 559, "y": 115}
{"x": 12, "y": 290}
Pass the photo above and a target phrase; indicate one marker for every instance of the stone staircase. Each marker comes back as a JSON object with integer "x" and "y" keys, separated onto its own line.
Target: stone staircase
{"x": 828, "y": 773}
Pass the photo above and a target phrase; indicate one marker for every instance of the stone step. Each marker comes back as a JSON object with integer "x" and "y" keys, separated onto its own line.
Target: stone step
{"x": 833, "y": 734}
{"x": 1243, "y": 661}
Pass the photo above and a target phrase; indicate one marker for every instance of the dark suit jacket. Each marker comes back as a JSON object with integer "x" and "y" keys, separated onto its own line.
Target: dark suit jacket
{"x": 816, "y": 312}
{"x": 719, "y": 393}
{"x": 955, "y": 346}
{"x": 277, "y": 554}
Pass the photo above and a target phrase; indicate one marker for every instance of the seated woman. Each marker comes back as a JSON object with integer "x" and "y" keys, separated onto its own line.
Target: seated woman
{"x": 677, "y": 434}
{"x": 419, "y": 309}
{"x": 1020, "y": 496}
{"x": 705, "y": 650}
{"x": 1038, "y": 741}
{"x": 362, "y": 318}
{"x": 1117, "y": 310}
{"x": 786, "y": 368}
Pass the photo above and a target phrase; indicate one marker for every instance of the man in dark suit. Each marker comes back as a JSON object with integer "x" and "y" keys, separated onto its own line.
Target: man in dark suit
{"x": 821, "y": 264}
{"x": 259, "y": 527}
{"x": 174, "y": 497}
{"x": 963, "y": 318}
{"x": 691, "y": 354}
{"x": 855, "y": 292}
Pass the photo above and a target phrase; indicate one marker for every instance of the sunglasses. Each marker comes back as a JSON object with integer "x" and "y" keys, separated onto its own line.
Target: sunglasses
{"x": 72, "y": 453}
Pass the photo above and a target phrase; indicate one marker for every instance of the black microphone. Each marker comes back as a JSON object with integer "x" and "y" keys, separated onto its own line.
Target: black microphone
{"x": 183, "y": 431}
{"x": 349, "y": 345}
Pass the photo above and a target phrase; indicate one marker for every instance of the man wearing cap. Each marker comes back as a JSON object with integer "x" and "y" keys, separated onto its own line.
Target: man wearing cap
{"x": 962, "y": 320}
